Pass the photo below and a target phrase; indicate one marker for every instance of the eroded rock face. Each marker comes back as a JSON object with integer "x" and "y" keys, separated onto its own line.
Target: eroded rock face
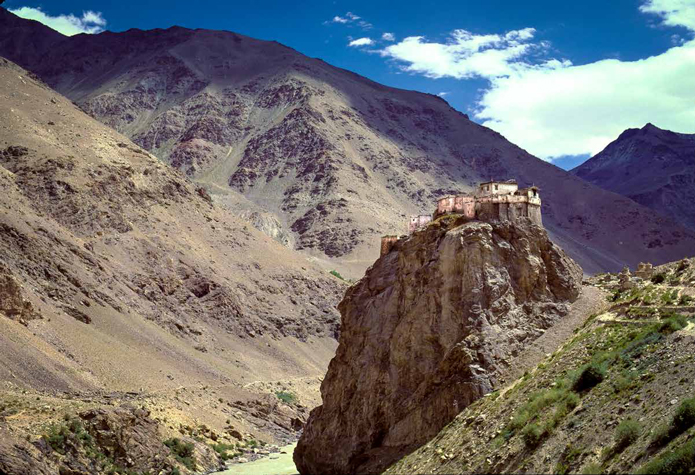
{"x": 426, "y": 332}
{"x": 13, "y": 304}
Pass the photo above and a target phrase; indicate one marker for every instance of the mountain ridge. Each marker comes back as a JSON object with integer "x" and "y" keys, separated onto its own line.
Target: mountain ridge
{"x": 652, "y": 166}
{"x": 337, "y": 159}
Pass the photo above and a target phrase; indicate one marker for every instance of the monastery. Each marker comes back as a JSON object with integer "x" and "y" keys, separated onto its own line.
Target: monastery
{"x": 492, "y": 201}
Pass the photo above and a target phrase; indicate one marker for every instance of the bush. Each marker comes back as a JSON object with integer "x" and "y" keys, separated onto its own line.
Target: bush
{"x": 592, "y": 469}
{"x": 673, "y": 323}
{"x": 685, "y": 300}
{"x": 684, "y": 418}
{"x": 335, "y": 273}
{"x": 286, "y": 397}
{"x": 658, "y": 278}
{"x": 589, "y": 376}
{"x": 681, "y": 460}
{"x": 223, "y": 451}
{"x": 626, "y": 434}
{"x": 183, "y": 452}
{"x": 532, "y": 435}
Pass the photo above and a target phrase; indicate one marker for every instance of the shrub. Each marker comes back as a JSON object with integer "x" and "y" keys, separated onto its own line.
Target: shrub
{"x": 532, "y": 435}
{"x": 335, "y": 273}
{"x": 223, "y": 451}
{"x": 684, "y": 418}
{"x": 183, "y": 452}
{"x": 286, "y": 397}
{"x": 658, "y": 278}
{"x": 681, "y": 460}
{"x": 673, "y": 323}
{"x": 626, "y": 433}
{"x": 592, "y": 469}
{"x": 589, "y": 376}
{"x": 685, "y": 300}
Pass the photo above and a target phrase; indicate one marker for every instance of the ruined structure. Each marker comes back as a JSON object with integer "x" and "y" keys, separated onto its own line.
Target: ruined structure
{"x": 492, "y": 201}
{"x": 387, "y": 243}
{"x": 644, "y": 270}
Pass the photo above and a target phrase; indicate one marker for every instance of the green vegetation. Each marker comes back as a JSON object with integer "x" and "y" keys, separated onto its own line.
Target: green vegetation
{"x": 335, "y": 273}
{"x": 532, "y": 435}
{"x": 682, "y": 420}
{"x": 680, "y": 460}
{"x": 658, "y": 278}
{"x": 592, "y": 469}
{"x": 60, "y": 435}
{"x": 286, "y": 397}
{"x": 589, "y": 376}
{"x": 223, "y": 450}
{"x": 183, "y": 452}
{"x": 627, "y": 432}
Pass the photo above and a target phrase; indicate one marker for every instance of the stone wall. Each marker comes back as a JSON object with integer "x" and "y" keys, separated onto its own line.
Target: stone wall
{"x": 418, "y": 221}
{"x": 387, "y": 243}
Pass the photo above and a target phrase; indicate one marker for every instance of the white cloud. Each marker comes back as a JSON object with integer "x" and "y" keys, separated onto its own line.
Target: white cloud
{"x": 349, "y": 19}
{"x": 443, "y": 94}
{"x": 465, "y": 55}
{"x": 552, "y": 107}
{"x": 577, "y": 110}
{"x": 673, "y": 12}
{"x": 388, "y": 37}
{"x": 89, "y": 22}
{"x": 361, "y": 42}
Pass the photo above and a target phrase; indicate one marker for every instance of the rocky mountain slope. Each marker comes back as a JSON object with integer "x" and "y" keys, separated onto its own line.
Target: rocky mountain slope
{"x": 616, "y": 397}
{"x": 332, "y": 159}
{"x": 651, "y": 166}
{"x": 121, "y": 283}
{"x": 428, "y": 330}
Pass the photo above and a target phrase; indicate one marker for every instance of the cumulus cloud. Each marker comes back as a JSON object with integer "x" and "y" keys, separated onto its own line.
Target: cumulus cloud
{"x": 578, "y": 110}
{"x": 361, "y": 42}
{"x": 89, "y": 22}
{"x": 388, "y": 37}
{"x": 465, "y": 55}
{"x": 554, "y": 108}
{"x": 672, "y": 12}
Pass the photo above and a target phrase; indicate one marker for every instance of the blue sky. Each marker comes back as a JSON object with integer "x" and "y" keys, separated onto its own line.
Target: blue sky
{"x": 560, "y": 79}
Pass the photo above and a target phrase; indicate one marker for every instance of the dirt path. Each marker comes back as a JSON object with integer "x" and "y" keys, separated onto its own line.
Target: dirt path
{"x": 275, "y": 464}
{"x": 590, "y": 301}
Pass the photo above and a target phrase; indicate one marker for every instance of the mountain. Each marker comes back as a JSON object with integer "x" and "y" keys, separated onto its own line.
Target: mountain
{"x": 614, "y": 395}
{"x": 121, "y": 283}
{"x": 331, "y": 159}
{"x": 651, "y": 166}
{"x": 430, "y": 329}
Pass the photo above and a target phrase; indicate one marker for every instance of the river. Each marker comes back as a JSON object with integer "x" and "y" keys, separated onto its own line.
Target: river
{"x": 275, "y": 464}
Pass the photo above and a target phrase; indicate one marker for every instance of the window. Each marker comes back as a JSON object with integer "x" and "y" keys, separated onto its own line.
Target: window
{"x": 495, "y": 187}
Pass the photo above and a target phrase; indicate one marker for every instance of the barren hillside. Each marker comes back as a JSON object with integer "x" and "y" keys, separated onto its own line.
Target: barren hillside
{"x": 330, "y": 159}
{"x": 120, "y": 281}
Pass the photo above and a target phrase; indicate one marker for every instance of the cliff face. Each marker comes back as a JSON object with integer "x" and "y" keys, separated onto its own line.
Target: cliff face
{"x": 426, "y": 332}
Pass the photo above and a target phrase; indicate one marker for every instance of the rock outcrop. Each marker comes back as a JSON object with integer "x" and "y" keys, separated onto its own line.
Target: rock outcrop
{"x": 13, "y": 304}
{"x": 426, "y": 332}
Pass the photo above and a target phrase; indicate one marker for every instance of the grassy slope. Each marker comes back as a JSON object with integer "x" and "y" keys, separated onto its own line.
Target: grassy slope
{"x": 637, "y": 417}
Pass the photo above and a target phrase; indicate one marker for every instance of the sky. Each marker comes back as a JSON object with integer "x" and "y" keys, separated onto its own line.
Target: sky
{"x": 559, "y": 79}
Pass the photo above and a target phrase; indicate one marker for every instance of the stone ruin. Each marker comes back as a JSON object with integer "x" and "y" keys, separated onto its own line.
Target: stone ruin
{"x": 644, "y": 271}
{"x": 492, "y": 201}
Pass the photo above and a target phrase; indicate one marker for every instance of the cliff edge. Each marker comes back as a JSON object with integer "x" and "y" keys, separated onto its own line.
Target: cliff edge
{"x": 426, "y": 332}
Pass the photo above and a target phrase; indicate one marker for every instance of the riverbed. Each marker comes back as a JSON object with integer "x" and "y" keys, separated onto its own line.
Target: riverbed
{"x": 275, "y": 464}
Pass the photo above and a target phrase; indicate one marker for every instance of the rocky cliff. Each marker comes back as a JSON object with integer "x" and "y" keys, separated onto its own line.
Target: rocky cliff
{"x": 426, "y": 332}
{"x": 337, "y": 159}
{"x": 651, "y": 166}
